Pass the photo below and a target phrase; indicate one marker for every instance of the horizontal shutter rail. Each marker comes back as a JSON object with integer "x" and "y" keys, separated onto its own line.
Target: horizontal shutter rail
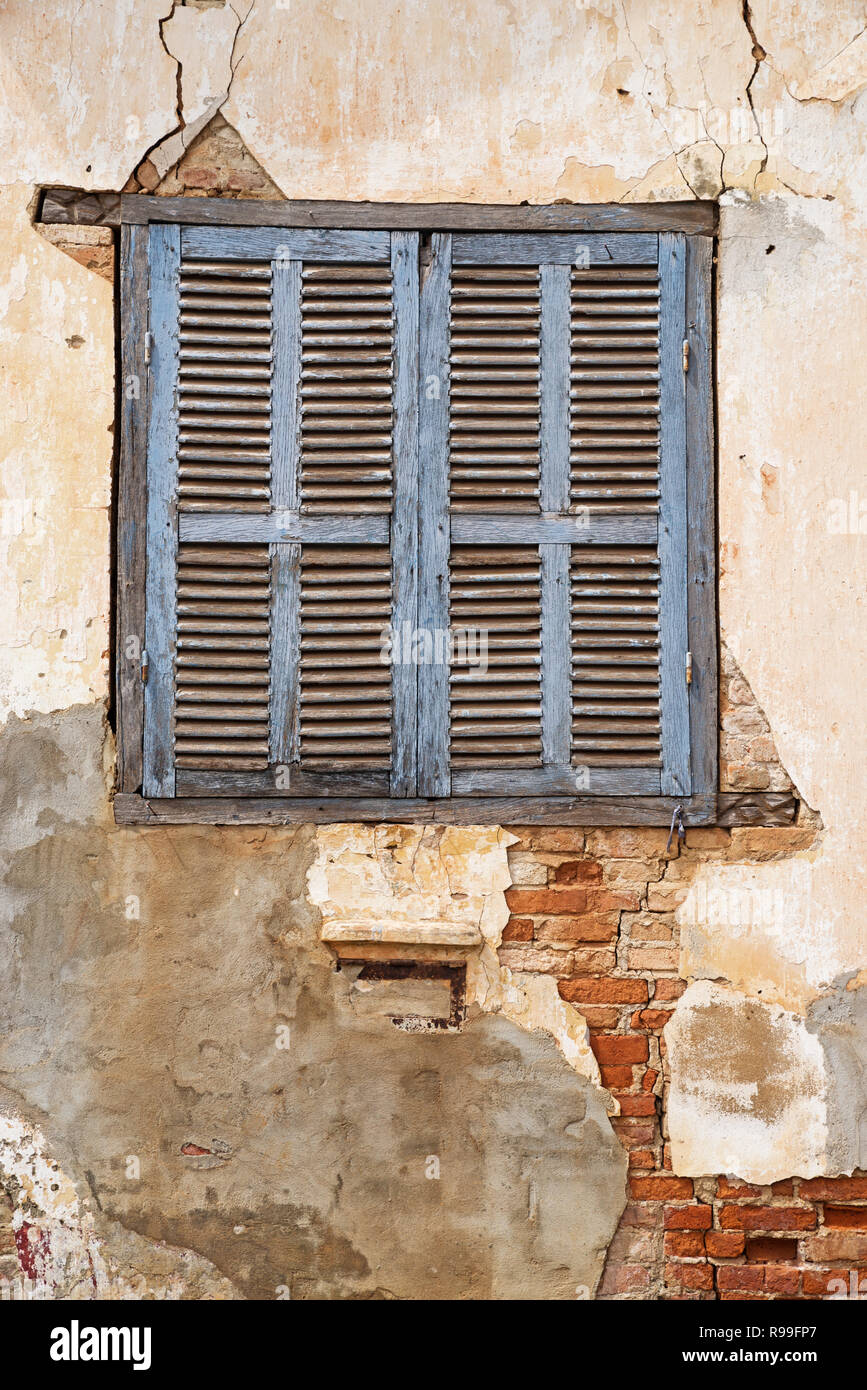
{"x": 554, "y": 530}
{"x": 614, "y": 388}
{"x": 494, "y": 444}
{"x": 224, "y": 385}
{"x": 279, "y": 525}
{"x": 284, "y": 243}
{"x": 558, "y": 248}
{"x": 495, "y": 684}
{"x": 345, "y": 676}
{"x": 615, "y": 657}
{"x": 347, "y": 342}
{"x": 222, "y": 669}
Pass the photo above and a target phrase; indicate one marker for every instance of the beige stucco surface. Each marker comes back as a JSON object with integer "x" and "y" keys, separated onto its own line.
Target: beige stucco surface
{"x": 491, "y": 101}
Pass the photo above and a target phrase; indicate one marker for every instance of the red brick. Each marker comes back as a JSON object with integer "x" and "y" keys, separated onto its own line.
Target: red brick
{"x": 641, "y": 1214}
{"x": 767, "y": 1219}
{"x": 738, "y": 1190}
{"x": 603, "y": 900}
{"x": 724, "y": 1245}
{"x": 562, "y": 840}
{"x": 668, "y": 989}
{"x": 653, "y": 957}
{"x": 835, "y": 1189}
{"x": 615, "y": 1078}
{"x": 766, "y": 1249}
{"x": 604, "y": 991}
{"x": 642, "y": 1158}
{"x": 649, "y": 1079}
{"x": 694, "y": 1218}
{"x": 633, "y": 1134}
{"x": 625, "y": 1279}
{"x": 518, "y": 929}
{"x": 619, "y": 1047}
{"x": 747, "y": 1278}
{"x": 601, "y": 1015}
{"x": 836, "y": 1245}
{"x": 589, "y": 926}
{"x": 246, "y": 181}
{"x": 651, "y": 1018}
{"x": 846, "y": 1218}
{"x": 712, "y": 837}
{"x": 783, "y": 1189}
{"x": 816, "y": 1281}
{"x": 578, "y": 871}
{"x": 637, "y": 1105}
{"x": 587, "y": 960}
{"x": 661, "y": 1189}
{"x": 542, "y": 960}
{"x": 200, "y": 178}
{"x": 782, "y": 1279}
{"x": 690, "y": 1276}
{"x": 684, "y": 1243}
{"x": 534, "y": 901}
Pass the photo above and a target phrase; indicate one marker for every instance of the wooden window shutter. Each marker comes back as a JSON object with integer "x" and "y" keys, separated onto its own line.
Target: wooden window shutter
{"x": 553, "y": 506}
{"x": 281, "y": 516}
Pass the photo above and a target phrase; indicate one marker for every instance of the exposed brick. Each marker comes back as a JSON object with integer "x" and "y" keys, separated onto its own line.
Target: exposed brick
{"x": 627, "y": 844}
{"x": 782, "y": 1279}
{"x": 846, "y": 1218}
{"x": 637, "y": 1105}
{"x": 835, "y": 1189}
{"x": 754, "y": 842}
{"x": 653, "y": 958}
{"x": 640, "y": 1214}
{"x": 740, "y": 1191}
{"x": 836, "y": 1245}
{"x": 689, "y": 1243}
{"x": 665, "y": 897}
{"x": 767, "y": 1249}
{"x": 633, "y": 1133}
{"x": 743, "y": 1277}
{"x": 534, "y": 901}
{"x": 605, "y": 991}
{"x": 601, "y": 1015}
{"x": 603, "y": 900}
{"x": 661, "y": 1189}
{"x": 786, "y": 1188}
{"x": 598, "y": 926}
{"x": 724, "y": 1245}
{"x": 246, "y": 181}
{"x": 694, "y": 1218}
{"x": 625, "y": 1279}
{"x": 587, "y": 960}
{"x": 578, "y": 871}
{"x": 642, "y": 1158}
{"x": 542, "y": 960}
{"x": 527, "y": 871}
{"x": 713, "y": 837}
{"x": 815, "y": 1282}
{"x": 651, "y": 1018}
{"x": 619, "y": 1047}
{"x": 562, "y": 840}
{"x": 768, "y": 1219}
{"x": 518, "y": 929}
{"x": 669, "y": 989}
{"x": 689, "y": 1276}
{"x": 648, "y": 926}
{"x": 632, "y": 873}
{"x": 616, "y": 1078}
{"x": 649, "y": 1079}
{"x": 201, "y": 178}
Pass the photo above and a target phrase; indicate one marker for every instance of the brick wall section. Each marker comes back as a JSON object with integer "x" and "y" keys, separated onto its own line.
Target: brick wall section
{"x": 748, "y": 758}
{"x": 9, "y": 1267}
{"x": 596, "y": 909}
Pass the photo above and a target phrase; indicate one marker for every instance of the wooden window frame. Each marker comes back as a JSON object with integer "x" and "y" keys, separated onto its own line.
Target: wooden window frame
{"x": 696, "y": 223}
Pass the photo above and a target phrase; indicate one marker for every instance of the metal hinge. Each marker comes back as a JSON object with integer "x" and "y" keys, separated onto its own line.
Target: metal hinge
{"x": 689, "y": 668}
{"x": 145, "y": 667}
{"x": 686, "y": 354}
{"x": 148, "y": 345}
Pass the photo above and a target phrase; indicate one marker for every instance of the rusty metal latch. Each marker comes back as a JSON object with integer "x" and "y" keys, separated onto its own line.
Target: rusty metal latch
{"x": 689, "y": 668}
{"x": 686, "y": 354}
{"x": 148, "y": 344}
{"x": 145, "y": 667}
{"x": 677, "y": 826}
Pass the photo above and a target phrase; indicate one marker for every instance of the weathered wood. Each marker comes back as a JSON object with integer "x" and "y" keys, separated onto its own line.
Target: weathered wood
{"x": 284, "y": 653}
{"x": 756, "y": 808}
{"x": 131, "y": 506}
{"x": 583, "y": 528}
{"x": 434, "y": 544}
{"x": 162, "y": 541}
{"x": 554, "y": 248}
{"x": 73, "y": 205}
{"x": 701, "y": 511}
{"x": 674, "y": 691}
{"x": 653, "y": 810}
{"x": 556, "y": 659}
{"x": 404, "y": 525}
{"x": 554, "y": 373}
{"x": 282, "y": 244}
{"x": 563, "y": 780}
{"x": 283, "y": 780}
{"x": 285, "y": 559}
{"x": 268, "y": 528}
{"x": 697, "y": 217}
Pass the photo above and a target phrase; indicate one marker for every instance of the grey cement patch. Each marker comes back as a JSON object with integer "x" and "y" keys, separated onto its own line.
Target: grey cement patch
{"x": 166, "y": 997}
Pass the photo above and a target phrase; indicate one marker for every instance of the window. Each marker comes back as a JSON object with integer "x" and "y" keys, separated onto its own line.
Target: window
{"x": 416, "y": 522}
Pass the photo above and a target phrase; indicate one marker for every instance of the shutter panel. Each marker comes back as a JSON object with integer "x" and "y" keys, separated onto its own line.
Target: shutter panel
{"x": 553, "y": 516}
{"x": 282, "y": 438}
